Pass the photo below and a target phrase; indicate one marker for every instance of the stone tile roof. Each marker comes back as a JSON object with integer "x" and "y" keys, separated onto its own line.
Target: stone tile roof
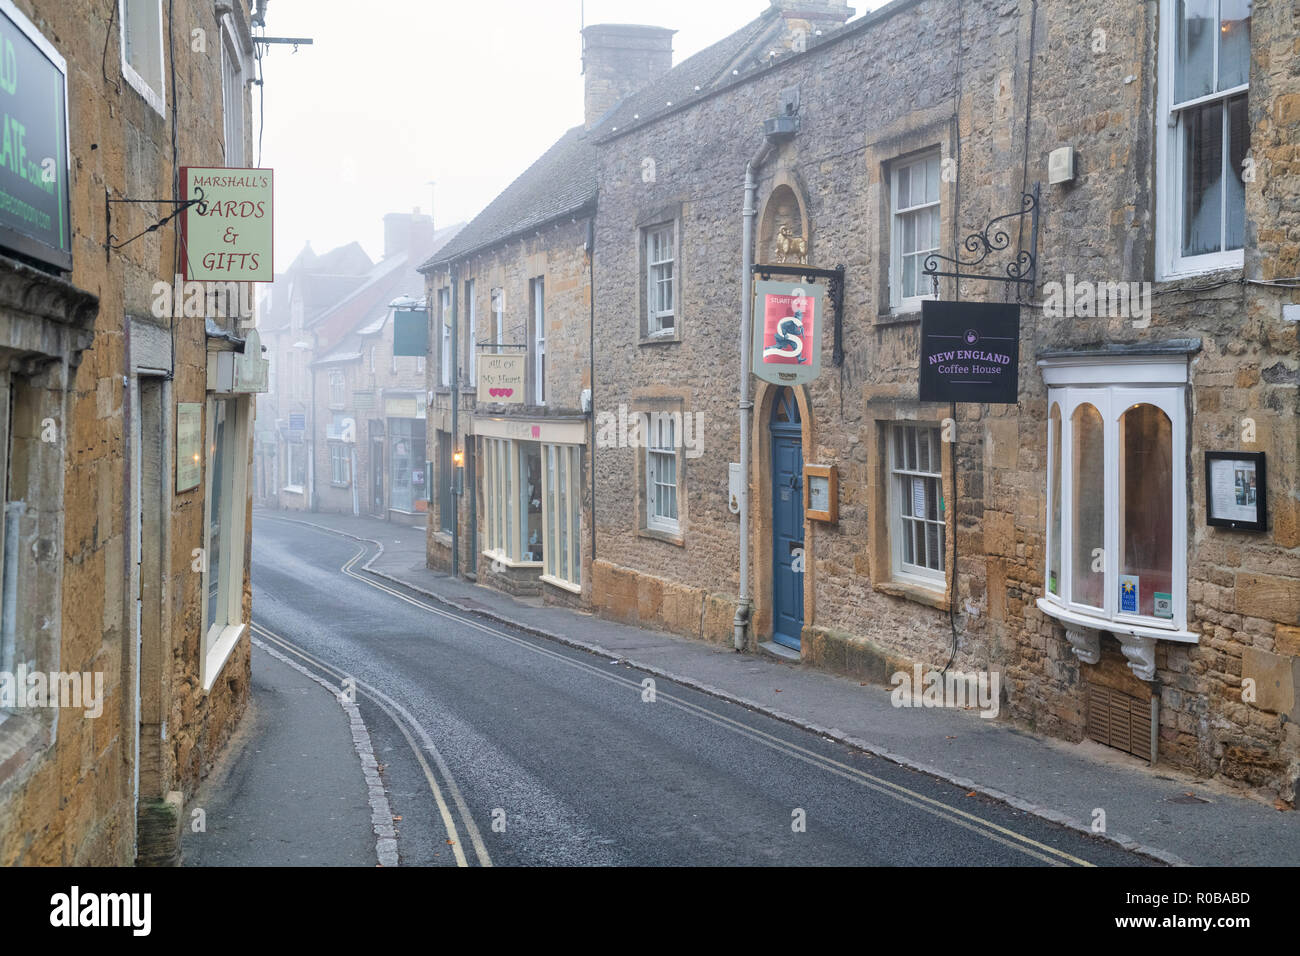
{"x": 563, "y": 180}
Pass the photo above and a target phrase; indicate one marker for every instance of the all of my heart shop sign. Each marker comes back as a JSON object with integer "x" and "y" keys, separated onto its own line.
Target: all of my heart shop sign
{"x": 501, "y": 379}
{"x": 970, "y": 352}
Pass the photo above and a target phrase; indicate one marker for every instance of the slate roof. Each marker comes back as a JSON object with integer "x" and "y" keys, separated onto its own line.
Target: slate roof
{"x": 563, "y": 181}
{"x": 560, "y": 183}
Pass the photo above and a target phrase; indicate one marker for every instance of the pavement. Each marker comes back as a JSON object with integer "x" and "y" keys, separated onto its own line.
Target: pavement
{"x": 1159, "y": 812}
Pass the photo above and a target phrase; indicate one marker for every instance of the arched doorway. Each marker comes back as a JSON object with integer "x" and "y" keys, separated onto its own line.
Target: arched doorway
{"x": 786, "y": 428}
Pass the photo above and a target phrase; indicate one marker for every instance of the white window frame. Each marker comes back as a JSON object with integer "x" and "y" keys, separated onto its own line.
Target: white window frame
{"x": 223, "y": 631}
{"x": 505, "y": 521}
{"x": 372, "y": 359}
{"x": 134, "y": 33}
{"x": 659, "y": 272}
{"x": 1170, "y": 262}
{"x": 657, "y": 452}
{"x": 538, "y": 296}
{"x": 897, "y": 301}
{"x": 232, "y": 98}
{"x": 1112, "y": 387}
{"x": 338, "y": 389}
{"x": 900, "y": 476}
{"x": 444, "y": 347}
{"x": 288, "y": 466}
{"x": 340, "y": 464}
{"x": 562, "y": 567}
{"x": 499, "y": 317}
{"x": 472, "y": 310}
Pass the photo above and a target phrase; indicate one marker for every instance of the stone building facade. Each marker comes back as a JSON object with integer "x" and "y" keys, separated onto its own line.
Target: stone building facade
{"x": 115, "y": 572}
{"x": 914, "y": 127}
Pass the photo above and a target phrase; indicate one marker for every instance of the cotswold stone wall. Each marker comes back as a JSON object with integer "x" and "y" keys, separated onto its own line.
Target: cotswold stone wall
{"x": 72, "y": 804}
{"x": 894, "y": 85}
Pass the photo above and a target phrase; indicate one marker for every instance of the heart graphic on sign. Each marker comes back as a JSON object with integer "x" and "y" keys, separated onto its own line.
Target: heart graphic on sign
{"x": 501, "y": 392}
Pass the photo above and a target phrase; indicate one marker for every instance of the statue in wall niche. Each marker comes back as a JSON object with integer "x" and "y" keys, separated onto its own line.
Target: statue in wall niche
{"x": 790, "y": 247}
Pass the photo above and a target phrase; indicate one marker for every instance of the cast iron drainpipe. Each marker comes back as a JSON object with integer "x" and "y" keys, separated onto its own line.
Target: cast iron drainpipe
{"x": 744, "y": 605}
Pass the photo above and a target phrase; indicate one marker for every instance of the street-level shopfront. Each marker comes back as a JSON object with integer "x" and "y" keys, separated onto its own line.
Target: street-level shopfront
{"x": 408, "y": 492}
{"x": 532, "y": 499}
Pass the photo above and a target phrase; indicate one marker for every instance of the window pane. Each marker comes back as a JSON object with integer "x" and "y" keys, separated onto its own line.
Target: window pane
{"x": 932, "y": 179}
{"x": 1198, "y": 27}
{"x": 1202, "y": 179}
{"x": 216, "y": 613}
{"x": 1235, "y": 201}
{"x": 560, "y": 518}
{"x": 1054, "y": 555}
{"x": 904, "y": 187}
{"x": 575, "y": 511}
{"x": 1234, "y": 43}
{"x": 1146, "y": 508}
{"x": 1089, "y": 506}
{"x": 909, "y": 233}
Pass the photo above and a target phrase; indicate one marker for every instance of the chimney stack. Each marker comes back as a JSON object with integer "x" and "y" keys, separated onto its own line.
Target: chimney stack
{"x": 407, "y": 232}
{"x": 619, "y": 59}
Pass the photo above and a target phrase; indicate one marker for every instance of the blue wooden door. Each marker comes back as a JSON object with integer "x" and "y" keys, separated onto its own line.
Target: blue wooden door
{"x": 787, "y": 521}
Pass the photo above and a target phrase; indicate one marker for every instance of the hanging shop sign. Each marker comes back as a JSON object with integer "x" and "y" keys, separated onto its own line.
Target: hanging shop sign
{"x": 1236, "y": 490}
{"x": 501, "y": 379}
{"x": 787, "y": 332}
{"x": 251, "y": 372}
{"x": 228, "y": 235}
{"x": 34, "y": 205}
{"x": 411, "y": 332}
{"x": 970, "y": 352}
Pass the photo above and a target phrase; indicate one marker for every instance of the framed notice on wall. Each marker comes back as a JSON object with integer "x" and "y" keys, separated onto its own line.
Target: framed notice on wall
{"x": 821, "y": 492}
{"x": 1236, "y": 490}
{"x": 189, "y": 445}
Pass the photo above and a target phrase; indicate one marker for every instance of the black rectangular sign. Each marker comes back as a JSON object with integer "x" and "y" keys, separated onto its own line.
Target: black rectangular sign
{"x": 970, "y": 352}
{"x": 33, "y": 144}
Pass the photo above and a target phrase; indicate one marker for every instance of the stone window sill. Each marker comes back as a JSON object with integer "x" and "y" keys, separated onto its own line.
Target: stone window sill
{"x": 675, "y": 538}
{"x": 930, "y": 597}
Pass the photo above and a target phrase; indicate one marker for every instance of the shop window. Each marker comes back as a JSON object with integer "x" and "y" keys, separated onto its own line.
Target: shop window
{"x": 1205, "y": 133}
{"x": 918, "y": 515}
{"x": 142, "y": 49}
{"x": 296, "y": 466}
{"x": 1117, "y": 504}
{"x": 660, "y": 252}
{"x": 223, "y": 577}
{"x": 501, "y": 500}
{"x": 563, "y": 515}
{"x": 406, "y": 443}
{"x": 446, "y": 503}
{"x": 914, "y": 229}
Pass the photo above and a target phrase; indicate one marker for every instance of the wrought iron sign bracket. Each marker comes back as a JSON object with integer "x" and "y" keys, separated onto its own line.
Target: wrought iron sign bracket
{"x": 834, "y": 279}
{"x": 1021, "y": 271}
{"x": 180, "y": 206}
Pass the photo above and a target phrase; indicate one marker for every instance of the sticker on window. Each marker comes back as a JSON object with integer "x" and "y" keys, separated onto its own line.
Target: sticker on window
{"x": 1164, "y": 605}
{"x": 1128, "y": 593}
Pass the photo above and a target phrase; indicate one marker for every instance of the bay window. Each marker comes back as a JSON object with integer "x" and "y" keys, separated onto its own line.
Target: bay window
{"x": 1205, "y": 136}
{"x": 1117, "y": 496}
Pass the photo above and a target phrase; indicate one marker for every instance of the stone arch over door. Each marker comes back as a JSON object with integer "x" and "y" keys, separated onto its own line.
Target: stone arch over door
{"x": 760, "y": 500}
{"x": 784, "y": 206}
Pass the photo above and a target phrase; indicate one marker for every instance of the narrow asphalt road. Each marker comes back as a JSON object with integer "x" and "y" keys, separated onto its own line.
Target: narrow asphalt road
{"x": 503, "y": 748}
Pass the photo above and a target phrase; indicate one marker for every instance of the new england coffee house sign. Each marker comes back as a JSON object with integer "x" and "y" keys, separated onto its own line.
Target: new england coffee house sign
{"x": 970, "y": 352}
{"x": 228, "y": 233}
{"x": 34, "y": 206}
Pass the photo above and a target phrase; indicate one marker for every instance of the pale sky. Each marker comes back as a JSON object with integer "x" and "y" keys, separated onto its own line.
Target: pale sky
{"x": 395, "y": 93}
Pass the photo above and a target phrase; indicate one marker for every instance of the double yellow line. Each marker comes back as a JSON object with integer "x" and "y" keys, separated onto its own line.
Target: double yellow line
{"x": 401, "y": 718}
{"x": 937, "y": 808}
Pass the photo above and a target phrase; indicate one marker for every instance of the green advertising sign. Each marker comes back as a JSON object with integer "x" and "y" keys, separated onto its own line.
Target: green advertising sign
{"x": 34, "y": 209}
{"x": 228, "y": 235}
